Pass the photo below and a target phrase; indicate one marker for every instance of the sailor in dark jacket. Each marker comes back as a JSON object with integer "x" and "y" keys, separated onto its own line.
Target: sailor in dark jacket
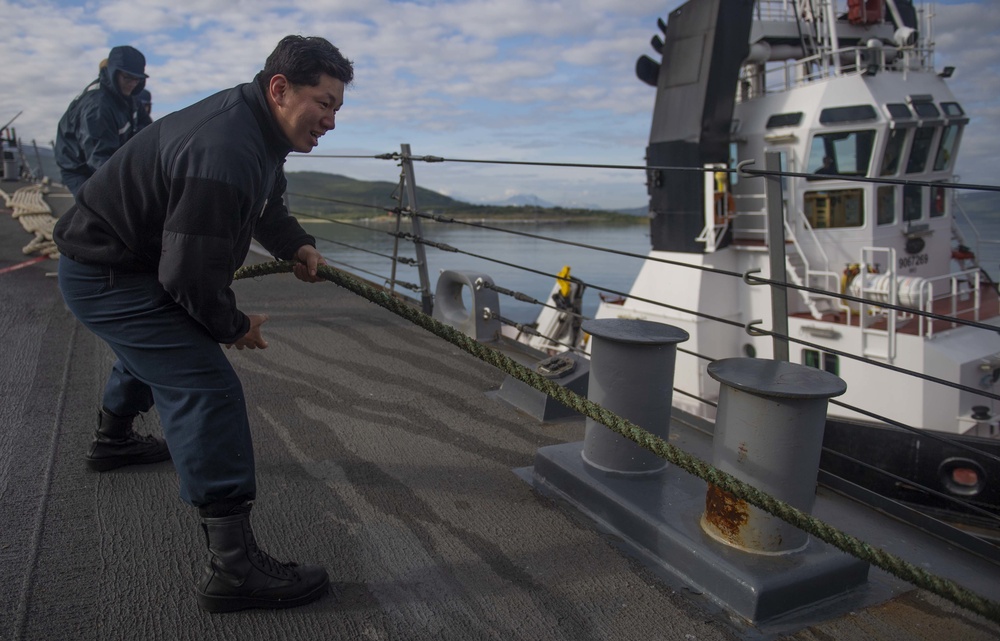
{"x": 101, "y": 119}
{"x": 144, "y": 110}
{"x": 148, "y": 256}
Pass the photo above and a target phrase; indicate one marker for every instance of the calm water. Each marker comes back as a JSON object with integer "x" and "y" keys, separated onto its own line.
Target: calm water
{"x": 593, "y": 267}
{"x": 598, "y": 269}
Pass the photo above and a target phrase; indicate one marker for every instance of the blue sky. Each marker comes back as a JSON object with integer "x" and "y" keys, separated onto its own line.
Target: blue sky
{"x": 522, "y": 80}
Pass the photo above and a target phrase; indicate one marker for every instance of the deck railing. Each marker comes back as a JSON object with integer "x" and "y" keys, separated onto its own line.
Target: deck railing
{"x": 781, "y": 76}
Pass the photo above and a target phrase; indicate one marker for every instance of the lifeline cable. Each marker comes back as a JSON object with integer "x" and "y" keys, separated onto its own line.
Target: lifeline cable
{"x": 749, "y": 277}
{"x": 740, "y": 489}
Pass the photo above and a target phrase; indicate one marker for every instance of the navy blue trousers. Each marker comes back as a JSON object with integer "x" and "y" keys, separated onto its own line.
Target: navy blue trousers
{"x": 167, "y": 359}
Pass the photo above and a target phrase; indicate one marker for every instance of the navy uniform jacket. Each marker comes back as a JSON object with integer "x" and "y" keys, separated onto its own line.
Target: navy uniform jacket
{"x": 183, "y": 199}
{"x": 95, "y": 125}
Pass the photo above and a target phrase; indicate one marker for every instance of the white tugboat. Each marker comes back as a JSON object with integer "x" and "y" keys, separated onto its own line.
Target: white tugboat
{"x": 838, "y": 93}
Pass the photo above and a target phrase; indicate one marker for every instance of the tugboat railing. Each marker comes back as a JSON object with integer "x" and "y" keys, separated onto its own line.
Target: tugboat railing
{"x": 817, "y": 278}
{"x": 780, "y": 76}
{"x": 970, "y": 278}
{"x": 745, "y": 221}
{"x": 869, "y": 312}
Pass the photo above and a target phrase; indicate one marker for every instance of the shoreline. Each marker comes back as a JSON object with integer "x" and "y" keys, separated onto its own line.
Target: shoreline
{"x": 621, "y": 219}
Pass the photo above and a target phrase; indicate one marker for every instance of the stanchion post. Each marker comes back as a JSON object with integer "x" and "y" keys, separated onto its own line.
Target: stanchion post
{"x": 426, "y": 302}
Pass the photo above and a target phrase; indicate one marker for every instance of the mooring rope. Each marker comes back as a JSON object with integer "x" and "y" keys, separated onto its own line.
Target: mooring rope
{"x": 852, "y": 545}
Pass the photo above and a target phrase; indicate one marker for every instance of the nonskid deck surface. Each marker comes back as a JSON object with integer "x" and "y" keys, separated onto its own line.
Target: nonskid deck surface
{"x": 379, "y": 456}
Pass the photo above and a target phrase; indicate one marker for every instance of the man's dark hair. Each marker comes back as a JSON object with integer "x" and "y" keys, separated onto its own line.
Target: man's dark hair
{"x": 302, "y": 59}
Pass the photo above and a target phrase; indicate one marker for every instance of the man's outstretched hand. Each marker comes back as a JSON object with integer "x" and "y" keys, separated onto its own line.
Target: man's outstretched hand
{"x": 253, "y": 339}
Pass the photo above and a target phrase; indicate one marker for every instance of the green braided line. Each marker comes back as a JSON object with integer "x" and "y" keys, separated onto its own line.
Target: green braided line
{"x": 852, "y": 545}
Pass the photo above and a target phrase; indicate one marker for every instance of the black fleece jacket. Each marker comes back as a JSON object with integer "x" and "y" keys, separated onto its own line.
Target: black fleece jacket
{"x": 184, "y": 197}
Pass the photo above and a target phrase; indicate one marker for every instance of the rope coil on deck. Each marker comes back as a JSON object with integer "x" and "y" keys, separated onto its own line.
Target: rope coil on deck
{"x": 852, "y": 545}
{"x": 34, "y": 214}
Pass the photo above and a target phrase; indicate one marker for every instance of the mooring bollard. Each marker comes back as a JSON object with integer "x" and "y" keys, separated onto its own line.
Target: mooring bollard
{"x": 769, "y": 433}
{"x": 632, "y": 375}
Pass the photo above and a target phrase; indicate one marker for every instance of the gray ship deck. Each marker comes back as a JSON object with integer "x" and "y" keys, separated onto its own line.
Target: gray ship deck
{"x": 381, "y": 456}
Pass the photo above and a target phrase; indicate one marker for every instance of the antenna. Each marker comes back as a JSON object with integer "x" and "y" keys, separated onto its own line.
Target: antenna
{"x": 9, "y": 122}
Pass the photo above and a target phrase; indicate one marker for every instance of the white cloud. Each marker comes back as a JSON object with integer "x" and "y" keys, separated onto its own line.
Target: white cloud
{"x": 487, "y": 78}
{"x": 548, "y": 80}
{"x": 965, "y": 34}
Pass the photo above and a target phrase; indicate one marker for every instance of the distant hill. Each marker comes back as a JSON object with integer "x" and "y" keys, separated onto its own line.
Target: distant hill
{"x": 531, "y": 200}
{"x": 642, "y": 210}
{"x": 321, "y": 194}
{"x": 313, "y": 192}
{"x": 521, "y": 200}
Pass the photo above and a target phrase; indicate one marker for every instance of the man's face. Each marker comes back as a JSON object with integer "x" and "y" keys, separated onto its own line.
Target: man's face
{"x": 305, "y": 113}
{"x": 126, "y": 83}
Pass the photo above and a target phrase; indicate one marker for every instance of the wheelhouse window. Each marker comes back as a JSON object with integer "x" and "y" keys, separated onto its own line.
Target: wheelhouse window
{"x": 893, "y": 152}
{"x": 843, "y": 153}
{"x": 885, "y": 205}
{"x": 926, "y": 110}
{"x": 952, "y": 109}
{"x": 899, "y": 111}
{"x": 835, "y": 208}
{"x": 921, "y": 148}
{"x": 939, "y": 201}
{"x": 913, "y": 202}
{"x": 784, "y": 120}
{"x": 853, "y": 113}
{"x": 946, "y": 149}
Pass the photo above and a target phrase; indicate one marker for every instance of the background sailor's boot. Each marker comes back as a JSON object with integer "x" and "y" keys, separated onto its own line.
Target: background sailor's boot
{"x": 240, "y": 575}
{"x": 115, "y": 444}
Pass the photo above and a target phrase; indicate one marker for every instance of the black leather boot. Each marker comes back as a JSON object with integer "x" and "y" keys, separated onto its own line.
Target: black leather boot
{"x": 115, "y": 444}
{"x": 240, "y": 575}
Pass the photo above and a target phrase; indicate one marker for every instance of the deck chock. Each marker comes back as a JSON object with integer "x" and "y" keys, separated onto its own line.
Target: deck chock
{"x": 569, "y": 369}
{"x": 478, "y": 319}
{"x": 768, "y": 432}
